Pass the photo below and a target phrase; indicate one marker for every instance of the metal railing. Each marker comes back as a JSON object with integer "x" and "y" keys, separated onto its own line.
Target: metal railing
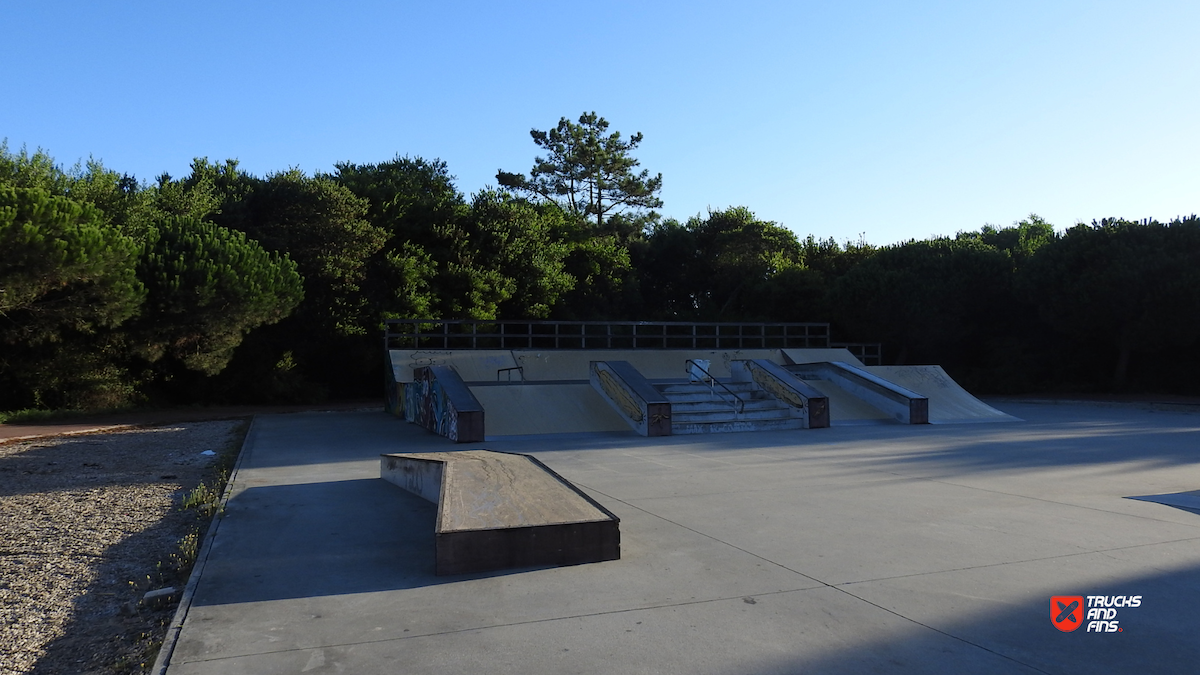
{"x": 508, "y": 373}
{"x": 870, "y": 353}
{"x": 738, "y": 408}
{"x": 478, "y": 334}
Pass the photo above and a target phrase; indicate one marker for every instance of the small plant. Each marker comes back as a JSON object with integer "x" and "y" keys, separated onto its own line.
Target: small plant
{"x": 42, "y": 414}
{"x": 189, "y": 549}
{"x": 142, "y": 658}
{"x": 206, "y": 498}
{"x": 35, "y": 415}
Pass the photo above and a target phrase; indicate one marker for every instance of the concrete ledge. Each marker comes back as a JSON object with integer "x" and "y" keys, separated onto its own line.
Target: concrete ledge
{"x": 811, "y": 405}
{"x": 624, "y": 388}
{"x": 904, "y": 405}
{"x": 440, "y": 401}
{"x": 500, "y": 510}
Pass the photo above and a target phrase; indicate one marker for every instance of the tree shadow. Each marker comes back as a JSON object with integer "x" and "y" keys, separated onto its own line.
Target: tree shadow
{"x": 1052, "y": 436}
{"x": 1156, "y": 637}
{"x": 108, "y": 626}
{"x": 318, "y": 539}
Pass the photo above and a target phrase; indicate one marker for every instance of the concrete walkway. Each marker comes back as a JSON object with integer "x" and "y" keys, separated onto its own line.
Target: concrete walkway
{"x": 889, "y": 548}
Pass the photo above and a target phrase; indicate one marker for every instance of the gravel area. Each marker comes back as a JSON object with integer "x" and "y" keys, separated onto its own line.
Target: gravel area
{"x": 88, "y": 525}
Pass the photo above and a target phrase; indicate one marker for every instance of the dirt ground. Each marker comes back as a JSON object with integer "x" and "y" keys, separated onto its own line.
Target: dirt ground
{"x": 88, "y": 524}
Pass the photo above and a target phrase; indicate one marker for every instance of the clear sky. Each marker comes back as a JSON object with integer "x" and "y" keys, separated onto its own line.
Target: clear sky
{"x": 887, "y": 120}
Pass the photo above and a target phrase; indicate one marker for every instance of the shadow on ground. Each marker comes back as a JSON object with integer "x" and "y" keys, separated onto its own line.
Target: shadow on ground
{"x": 1053, "y": 436}
{"x": 109, "y": 631}
{"x": 357, "y": 536}
{"x": 1018, "y": 637}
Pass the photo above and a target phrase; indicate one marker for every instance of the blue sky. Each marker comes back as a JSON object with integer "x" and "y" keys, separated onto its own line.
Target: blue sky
{"x": 883, "y": 120}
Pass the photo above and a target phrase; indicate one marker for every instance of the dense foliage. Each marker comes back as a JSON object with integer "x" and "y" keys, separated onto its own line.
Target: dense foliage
{"x": 591, "y": 173}
{"x": 221, "y": 286}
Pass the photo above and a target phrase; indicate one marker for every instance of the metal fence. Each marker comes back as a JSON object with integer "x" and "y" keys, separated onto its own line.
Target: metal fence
{"x": 475, "y": 334}
{"x": 870, "y": 353}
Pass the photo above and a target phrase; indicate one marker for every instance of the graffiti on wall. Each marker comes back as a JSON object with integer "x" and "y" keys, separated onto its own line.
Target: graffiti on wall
{"x": 619, "y": 395}
{"x": 426, "y": 404}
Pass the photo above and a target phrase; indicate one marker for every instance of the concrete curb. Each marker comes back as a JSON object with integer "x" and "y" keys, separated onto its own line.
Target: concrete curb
{"x": 185, "y": 601}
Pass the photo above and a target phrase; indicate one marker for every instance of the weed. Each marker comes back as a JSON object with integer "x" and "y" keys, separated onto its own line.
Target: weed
{"x": 141, "y": 659}
{"x": 205, "y": 498}
{"x": 184, "y": 558}
{"x": 35, "y": 415}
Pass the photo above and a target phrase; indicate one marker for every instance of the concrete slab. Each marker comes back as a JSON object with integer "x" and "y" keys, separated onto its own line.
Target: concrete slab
{"x": 900, "y": 549}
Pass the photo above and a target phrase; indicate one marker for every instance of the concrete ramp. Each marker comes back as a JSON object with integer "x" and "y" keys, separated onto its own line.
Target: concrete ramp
{"x": 499, "y": 510}
{"x": 527, "y": 409}
{"x": 949, "y": 403}
{"x": 904, "y": 405}
{"x": 846, "y": 408}
{"x": 793, "y": 356}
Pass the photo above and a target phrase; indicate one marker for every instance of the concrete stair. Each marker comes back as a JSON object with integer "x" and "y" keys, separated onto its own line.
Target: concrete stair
{"x": 698, "y": 409}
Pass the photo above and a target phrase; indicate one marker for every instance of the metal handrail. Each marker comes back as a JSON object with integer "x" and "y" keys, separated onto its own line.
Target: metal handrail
{"x": 741, "y": 404}
{"x": 870, "y": 353}
{"x": 520, "y": 371}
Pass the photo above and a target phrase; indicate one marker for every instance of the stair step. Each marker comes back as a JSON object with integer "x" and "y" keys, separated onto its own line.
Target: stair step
{"x": 717, "y": 415}
{"x": 695, "y": 388}
{"x": 698, "y": 408}
{"x": 727, "y": 406}
{"x": 709, "y": 396}
{"x": 680, "y": 429}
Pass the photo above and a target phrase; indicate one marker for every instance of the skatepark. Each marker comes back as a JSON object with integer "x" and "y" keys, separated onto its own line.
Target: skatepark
{"x": 865, "y": 545}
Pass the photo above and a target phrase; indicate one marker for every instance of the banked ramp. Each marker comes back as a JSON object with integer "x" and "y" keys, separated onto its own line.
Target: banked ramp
{"x": 949, "y": 403}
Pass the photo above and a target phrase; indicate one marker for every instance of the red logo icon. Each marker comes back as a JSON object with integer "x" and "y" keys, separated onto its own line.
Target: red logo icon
{"x": 1066, "y": 612}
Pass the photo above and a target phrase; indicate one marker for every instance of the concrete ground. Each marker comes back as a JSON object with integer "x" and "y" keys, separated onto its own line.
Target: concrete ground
{"x": 858, "y": 549}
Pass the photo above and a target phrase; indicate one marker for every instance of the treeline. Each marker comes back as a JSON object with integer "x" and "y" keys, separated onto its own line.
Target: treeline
{"x": 222, "y": 286}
